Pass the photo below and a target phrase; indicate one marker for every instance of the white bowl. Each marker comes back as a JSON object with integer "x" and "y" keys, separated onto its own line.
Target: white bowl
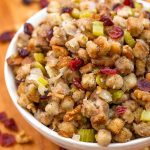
{"x": 50, "y": 134}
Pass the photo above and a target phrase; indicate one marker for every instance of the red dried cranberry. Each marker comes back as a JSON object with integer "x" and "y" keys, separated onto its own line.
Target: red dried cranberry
{"x": 75, "y": 64}
{"x": 19, "y": 81}
{"x": 77, "y": 83}
{"x": 115, "y": 32}
{"x": 7, "y": 140}
{"x": 120, "y": 110}
{"x": 67, "y": 10}
{"x": 129, "y": 3}
{"x": 45, "y": 96}
{"x": 107, "y": 20}
{"x": 7, "y": 36}
{"x": 144, "y": 85}
{"x": 50, "y": 34}
{"x": 11, "y": 124}
{"x": 28, "y": 28}
{"x": 108, "y": 71}
{"x": 27, "y": 2}
{"x": 23, "y": 52}
{"x": 43, "y": 3}
{"x": 3, "y": 116}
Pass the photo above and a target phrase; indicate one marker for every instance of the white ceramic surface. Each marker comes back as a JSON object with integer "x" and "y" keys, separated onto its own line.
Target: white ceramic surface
{"x": 53, "y": 136}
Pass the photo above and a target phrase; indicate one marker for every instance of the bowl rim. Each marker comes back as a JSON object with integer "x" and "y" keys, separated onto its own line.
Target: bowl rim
{"x": 10, "y": 84}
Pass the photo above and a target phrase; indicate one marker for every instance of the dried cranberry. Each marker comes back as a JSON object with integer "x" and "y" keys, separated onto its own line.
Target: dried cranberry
{"x": 7, "y": 36}
{"x": 75, "y": 64}
{"x": 7, "y": 140}
{"x": 107, "y": 20}
{"x": 77, "y": 83}
{"x": 120, "y": 110}
{"x": 67, "y": 10}
{"x": 45, "y": 96}
{"x": 19, "y": 81}
{"x": 11, "y": 124}
{"x": 129, "y": 3}
{"x": 3, "y": 116}
{"x": 108, "y": 71}
{"x": 144, "y": 85}
{"x": 115, "y": 32}
{"x": 27, "y": 2}
{"x": 43, "y": 3}
{"x": 28, "y": 28}
{"x": 50, "y": 34}
{"x": 23, "y": 52}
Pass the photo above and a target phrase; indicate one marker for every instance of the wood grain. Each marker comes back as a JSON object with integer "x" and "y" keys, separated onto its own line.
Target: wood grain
{"x": 12, "y": 14}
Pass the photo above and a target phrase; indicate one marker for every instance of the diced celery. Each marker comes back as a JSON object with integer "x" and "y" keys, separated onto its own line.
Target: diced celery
{"x": 42, "y": 89}
{"x": 75, "y": 13}
{"x": 129, "y": 39}
{"x": 42, "y": 81}
{"x": 145, "y": 116}
{"x": 94, "y": 10}
{"x": 138, "y": 5}
{"x": 87, "y": 135}
{"x": 38, "y": 65}
{"x": 117, "y": 94}
{"x": 98, "y": 28}
{"x": 76, "y": 1}
{"x": 73, "y": 89}
{"x": 99, "y": 79}
{"x": 85, "y": 14}
{"x": 39, "y": 57}
{"x": 96, "y": 135}
{"x": 132, "y": 12}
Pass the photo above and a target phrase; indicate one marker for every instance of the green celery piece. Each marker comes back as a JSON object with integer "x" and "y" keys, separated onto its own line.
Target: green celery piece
{"x": 87, "y": 135}
{"x": 98, "y": 28}
{"x": 145, "y": 116}
{"x": 38, "y": 65}
{"x": 75, "y": 13}
{"x": 117, "y": 94}
{"x": 42, "y": 81}
{"x": 85, "y": 14}
{"x": 129, "y": 39}
{"x": 39, "y": 57}
{"x": 137, "y": 5}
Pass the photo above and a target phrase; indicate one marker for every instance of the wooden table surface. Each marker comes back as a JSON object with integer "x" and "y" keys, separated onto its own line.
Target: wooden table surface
{"x": 12, "y": 14}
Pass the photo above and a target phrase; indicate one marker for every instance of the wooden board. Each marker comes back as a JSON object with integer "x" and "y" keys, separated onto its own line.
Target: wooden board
{"x": 12, "y": 15}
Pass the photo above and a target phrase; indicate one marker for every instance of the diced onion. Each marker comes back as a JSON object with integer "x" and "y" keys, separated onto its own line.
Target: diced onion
{"x": 104, "y": 94}
{"x": 76, "y": 137}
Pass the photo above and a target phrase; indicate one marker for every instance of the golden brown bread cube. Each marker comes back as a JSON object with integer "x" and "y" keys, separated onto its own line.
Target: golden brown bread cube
{"x": 115, "y": 125}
